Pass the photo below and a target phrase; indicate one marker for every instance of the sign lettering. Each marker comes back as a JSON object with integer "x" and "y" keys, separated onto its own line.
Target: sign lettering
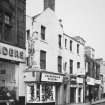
{"x": 12, "y": 53}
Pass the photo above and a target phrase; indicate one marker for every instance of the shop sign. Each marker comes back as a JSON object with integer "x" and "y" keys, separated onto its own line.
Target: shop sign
{"x": 90, "y": 81}
{"x": 79, "y": 80}
{"x": 12, "y": 53}
{"x": 51, "y": 77}
{"x": 73, "y": 80}
{"x": 98, "y": 82}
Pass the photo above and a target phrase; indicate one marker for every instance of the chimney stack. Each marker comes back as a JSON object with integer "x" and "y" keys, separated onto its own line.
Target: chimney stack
{"x": 49, "y": 4}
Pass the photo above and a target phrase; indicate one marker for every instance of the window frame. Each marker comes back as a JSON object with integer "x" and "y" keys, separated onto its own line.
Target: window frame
{"x": 66, "y": 43}
{"x": 78, "y": 47}
{"x": 42, "y": 59}
{"x": 71, "y": 66}
{"x": 59, "y": 64}
{"x": 78, "y": 65}
{"x": 71, "y": 43}
{"x": 43, "y": 31}
{"x": 60, "y": 40}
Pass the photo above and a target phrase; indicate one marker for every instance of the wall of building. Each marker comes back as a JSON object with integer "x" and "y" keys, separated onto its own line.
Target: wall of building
{"x": 50, "y": 44}
{"x": 15, "y": 9}
{"x": 73, "y": 55}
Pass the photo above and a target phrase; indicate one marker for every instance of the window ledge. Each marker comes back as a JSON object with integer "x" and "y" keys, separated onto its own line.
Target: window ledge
{"x": 44, "y": 41}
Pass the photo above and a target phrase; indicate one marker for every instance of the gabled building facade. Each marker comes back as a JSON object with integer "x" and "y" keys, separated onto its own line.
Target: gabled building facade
{"x": 46, "y": 65}
{"x": 55, "y": 62}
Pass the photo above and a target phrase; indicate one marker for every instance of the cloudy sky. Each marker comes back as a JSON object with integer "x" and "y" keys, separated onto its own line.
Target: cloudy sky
{"x": 85, "y": 18}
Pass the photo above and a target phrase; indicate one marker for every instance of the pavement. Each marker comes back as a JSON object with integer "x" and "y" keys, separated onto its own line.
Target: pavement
{"x": 98, "y": 102}
{"x": 82, "y": 104}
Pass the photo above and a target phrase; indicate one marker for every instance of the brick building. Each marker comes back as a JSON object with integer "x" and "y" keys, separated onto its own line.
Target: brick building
{"x": 12, "y": 46}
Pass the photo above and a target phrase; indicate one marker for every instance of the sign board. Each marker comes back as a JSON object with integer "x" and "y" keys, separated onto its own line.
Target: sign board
{"x": 31, "y": 76}
{"x": 98, "y": 82}
{"x": 51, "y": 77}
{"x": 79, "y": 80}
{"x": 73, "y": 80}
{"x": 12, "y": 53}
{"x": 90, "y": 81}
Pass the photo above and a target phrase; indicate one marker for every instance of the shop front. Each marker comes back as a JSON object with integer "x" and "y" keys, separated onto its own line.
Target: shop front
{"x": 12, "y": 62}
{"x": 76, "y": 89}
{"x": 43, "y": 89}
{"x": 90, "y": 84}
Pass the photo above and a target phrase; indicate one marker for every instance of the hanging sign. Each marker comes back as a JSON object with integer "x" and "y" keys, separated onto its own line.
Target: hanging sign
{"x": 12, "y": 53}
{"x": 90, "y": 81}
{"x": 79, "y": 80}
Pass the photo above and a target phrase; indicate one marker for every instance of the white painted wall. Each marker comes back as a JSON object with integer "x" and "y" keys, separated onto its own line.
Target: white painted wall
{"x": 67, "y": 55}
{"x": 50, "y": 45}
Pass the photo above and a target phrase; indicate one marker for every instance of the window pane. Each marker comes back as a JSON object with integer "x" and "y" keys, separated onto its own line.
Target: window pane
{"x": 59, "y": 40}
{"x": 71, "y": 66}
{"x": 42, "y": 59}
{"x": 43, "y": 32}
{"x": 59, "y": 64}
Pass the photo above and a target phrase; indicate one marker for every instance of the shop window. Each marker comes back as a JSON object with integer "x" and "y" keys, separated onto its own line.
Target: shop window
{"x": 37, "y": 93}
{"x": 32, "y": 92}
{"x": 71, "y": 45}
{"x": 43, "y": 32}
{"x": 71, "y": 66}
{"x": 42, "y": 59}
{"x": 47, "y": 92}
{"x": 59, "y": 41}
{"x": 59, "y": 64}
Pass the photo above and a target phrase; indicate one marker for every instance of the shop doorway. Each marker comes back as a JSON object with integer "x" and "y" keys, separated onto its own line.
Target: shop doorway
{"x": 72, "y": 95}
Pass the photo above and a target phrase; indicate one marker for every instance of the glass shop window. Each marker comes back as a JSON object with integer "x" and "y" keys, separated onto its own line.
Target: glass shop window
{"x": 37, "y": 93}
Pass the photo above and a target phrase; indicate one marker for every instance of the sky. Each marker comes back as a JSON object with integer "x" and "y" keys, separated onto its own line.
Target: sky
{"x": 85, "y": 18}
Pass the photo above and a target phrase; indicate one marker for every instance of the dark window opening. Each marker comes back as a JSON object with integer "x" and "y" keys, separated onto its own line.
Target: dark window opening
{"x": 59, "y": 41}
{"x": 71, "y": 66}
{"x": 7, "y": 33}
{"x": 77, "y": 48}
{"x": 43, "y": 32}
{"x": 59, "y": 64}
{"x": 42, "y": 59}
{"x": 2, "y": 71}
{"x": 70, "y": 45}
{"x": 78, "y": 65}
{"x": 28, "y": 34}
{"x": 65, "y": 43}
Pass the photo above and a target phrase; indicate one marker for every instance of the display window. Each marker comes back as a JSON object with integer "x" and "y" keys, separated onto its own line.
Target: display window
{"x": 37, "y": 93}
